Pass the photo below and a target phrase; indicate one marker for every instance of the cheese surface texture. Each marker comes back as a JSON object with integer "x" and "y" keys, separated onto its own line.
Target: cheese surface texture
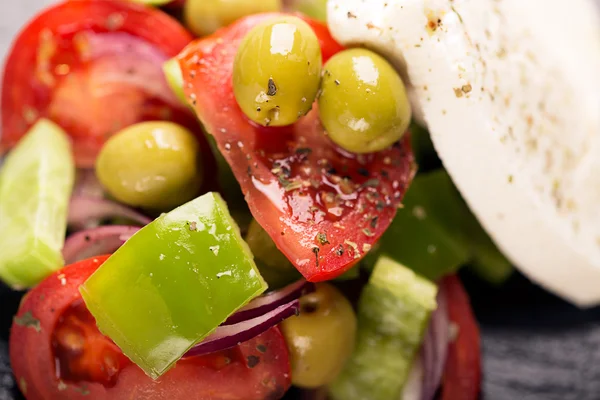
{"x": 510, "y": 91}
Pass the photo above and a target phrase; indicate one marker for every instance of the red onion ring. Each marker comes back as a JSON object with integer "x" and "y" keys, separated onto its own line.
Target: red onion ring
{"x": 270, "y": 301}
{"x": 84, "y": 211}
{"x": 435, "y": 347}
{"x": 96, "y": 241}
{"x": 87, "y": 184}
{"x": 227, "y": 336}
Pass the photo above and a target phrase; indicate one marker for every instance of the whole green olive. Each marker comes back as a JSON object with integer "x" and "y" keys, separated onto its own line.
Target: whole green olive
{"x": 277, "y": 70}
{"x": 363, "y": 103}
{"x": 204, "y": 17}
{"x": 155, "y": 165}
{"x": 321, "y": 338}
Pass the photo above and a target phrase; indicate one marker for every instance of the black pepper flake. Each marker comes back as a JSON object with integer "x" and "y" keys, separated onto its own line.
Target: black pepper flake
{"x": 249, "y": 171}
{"x": 316, "y": 251}
{"x": 87, "y": 238}
{"x": 362, "y": 171}
{"x": 322, "y": 238}
{"x": 272, "y": 89}
{"x": 350, "y": 15}
{"x": 252, "y": 361}
{"x": 372, "y": 183}
{"x": 380, "y": 205}
{"x": 385, "y": 174}
{"x": 262, "y": 348}
{"x": 374, "y": 222}
{"x": 340, "y": 250}
{"x": 303, "y": 150}
{"x": 331, "y": 171}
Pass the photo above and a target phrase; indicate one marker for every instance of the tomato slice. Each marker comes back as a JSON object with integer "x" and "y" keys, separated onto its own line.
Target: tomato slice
{"x": 94, "y": 67}
{"x": 323, "y": 207}
{"x": 462, "y": 373}
{"x": 57, "y": 353}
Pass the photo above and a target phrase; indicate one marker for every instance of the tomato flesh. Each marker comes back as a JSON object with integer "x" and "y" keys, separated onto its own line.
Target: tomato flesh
{"x": 462, "y": 373}
{"x": 81, "y": 352}
{"x": 57, "y": 353}
{"x": 324, "y": 208}
{"x": 94, "y": 67}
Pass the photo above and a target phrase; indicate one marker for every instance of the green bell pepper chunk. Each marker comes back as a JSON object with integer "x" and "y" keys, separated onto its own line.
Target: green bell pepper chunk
{"x": 436, "y": 233}
{"x": 172, "y": 283}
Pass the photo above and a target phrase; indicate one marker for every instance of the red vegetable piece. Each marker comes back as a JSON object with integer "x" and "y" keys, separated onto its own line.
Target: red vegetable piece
{"x": 323, "y": 207}
{"x": 462, "y": 374}
{"x": 94, "y": 67}
{"x": 53, "y": 328}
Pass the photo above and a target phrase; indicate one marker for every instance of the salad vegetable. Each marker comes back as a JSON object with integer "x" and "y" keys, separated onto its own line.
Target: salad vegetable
{"x": 52, "y": 72}
{"x": 277, "y": 71}
{"x": 155, "y": 165}
{"x": 363, "y": 103}
{"x": 175, "y": 79}
{"x": 393, "y": 312}
{"x": 324, "y": 210}
{"x": 321, "y": 338}
{"x": 35, "y": 184}
{"x": 172, "y": 283}
{"x": 53, "y": 324}
{"x": 204, "y": 17}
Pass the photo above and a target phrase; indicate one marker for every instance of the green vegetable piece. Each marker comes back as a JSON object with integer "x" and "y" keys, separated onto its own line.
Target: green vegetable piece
{"x": 275, "y": 268}
{"x": 173, "y": 283}
{"x": 204, "y": 17}
{"x": 277, "y": 70}
{"x": 35, "y": 185}
{"x": 436, "y": 233}
{"x": 393, "y": 312}
{"x": 316, "y": 9}
{"x": 321, "y": 338}
{"x": 155, "y": 165}
{"x": 363, "y": 103}
{"x": 174, "y": 78}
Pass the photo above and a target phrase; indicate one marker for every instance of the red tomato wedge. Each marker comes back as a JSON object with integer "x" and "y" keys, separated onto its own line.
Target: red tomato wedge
{"x": 94, "y": 67}
{"x": 462, "y": 374}
{"x": 57, "y": 353}
{"x": 323, "y": 207}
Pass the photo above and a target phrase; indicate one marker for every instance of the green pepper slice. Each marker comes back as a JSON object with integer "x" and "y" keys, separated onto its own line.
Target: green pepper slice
{"x": 172, "y": 283}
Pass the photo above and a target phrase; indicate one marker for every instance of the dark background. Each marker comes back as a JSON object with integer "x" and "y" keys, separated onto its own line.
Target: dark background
{"x": 536, "y": 347}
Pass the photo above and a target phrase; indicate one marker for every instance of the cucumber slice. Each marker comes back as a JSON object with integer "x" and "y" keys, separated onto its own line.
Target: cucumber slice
{"x": 393, "y": 312}
{"x": 174, "y": 78}
{"x": 35, "y": 185}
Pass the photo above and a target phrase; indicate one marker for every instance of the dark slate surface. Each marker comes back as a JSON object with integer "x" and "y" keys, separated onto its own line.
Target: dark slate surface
{"x": 536, "y": 347}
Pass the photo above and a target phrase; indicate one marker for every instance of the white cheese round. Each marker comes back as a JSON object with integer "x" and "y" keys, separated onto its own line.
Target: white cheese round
{"x": 510, "y": 91}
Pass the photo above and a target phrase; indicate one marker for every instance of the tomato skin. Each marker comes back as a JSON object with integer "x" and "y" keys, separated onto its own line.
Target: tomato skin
{"x": 340, "y": 203}
{"x": 225, "y": 375}
{"x": 35, "y": 69}
{"x": 462, "y": 373}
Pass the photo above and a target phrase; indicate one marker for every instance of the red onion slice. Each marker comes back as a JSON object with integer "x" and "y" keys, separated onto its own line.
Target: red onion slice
{"x": 435, "y": 347}
{"x": 96, "y": 241}
{"x": 87, "y": 184}
{"x": 227, "y": 336}
{"x": 270, "y": 301}
{"x": 85, "y": 211}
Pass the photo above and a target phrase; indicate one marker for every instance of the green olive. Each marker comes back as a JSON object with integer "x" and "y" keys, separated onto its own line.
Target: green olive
{"x": 316, "y": 9}
{"x": 321, "y": 338}
{"x": 204, "y": 17}
{"x": 155, "y": 165}
{"x": 363, "y": 103}
{"x": 277, "y": 70}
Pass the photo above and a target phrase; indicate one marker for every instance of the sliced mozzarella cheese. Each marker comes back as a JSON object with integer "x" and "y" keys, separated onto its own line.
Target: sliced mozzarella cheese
{"x": 510, "y": 91}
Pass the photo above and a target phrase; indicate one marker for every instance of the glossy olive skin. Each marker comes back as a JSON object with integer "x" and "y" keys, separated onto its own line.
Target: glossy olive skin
{"x": 277, "y": 70}
{"x": 204, "y": 17}
{"x": 363, "y": 104}
{"x": 154, "y": 165}
{"x": 321, "y": 338}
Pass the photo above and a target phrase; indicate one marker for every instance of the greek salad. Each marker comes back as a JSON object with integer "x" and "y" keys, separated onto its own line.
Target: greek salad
{"x": 216, "y": 200}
